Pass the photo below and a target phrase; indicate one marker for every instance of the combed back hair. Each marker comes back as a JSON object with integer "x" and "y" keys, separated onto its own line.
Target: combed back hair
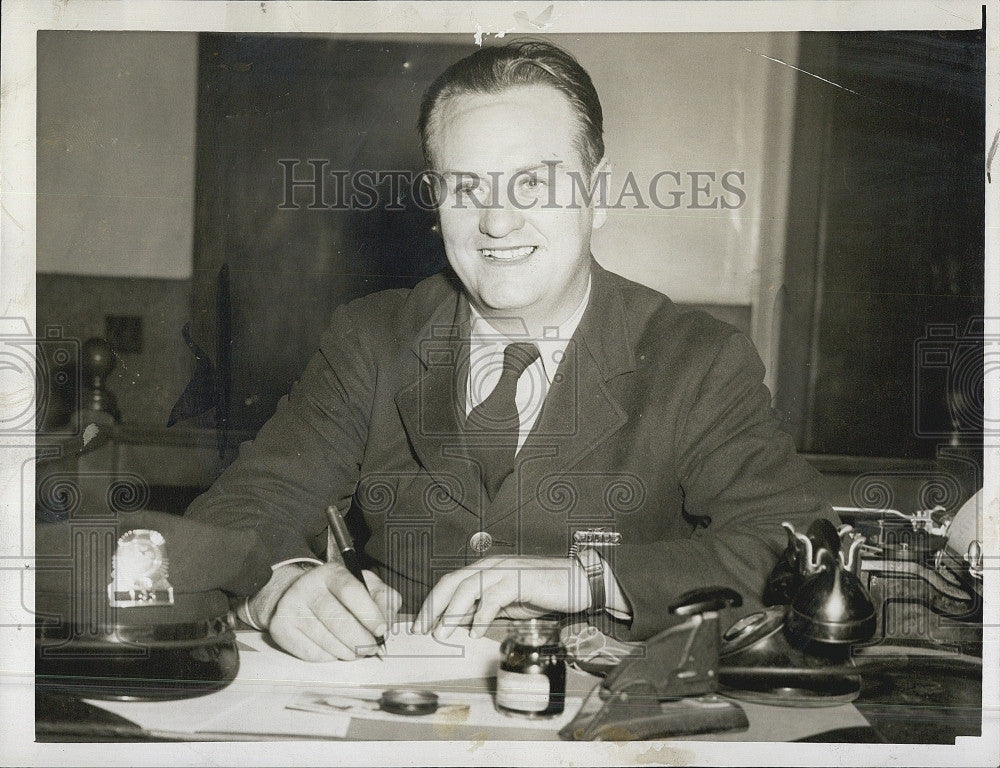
{"x": 494, "y": 69}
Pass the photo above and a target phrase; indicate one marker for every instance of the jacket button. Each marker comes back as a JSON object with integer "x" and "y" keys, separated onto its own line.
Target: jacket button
{"x": 480, "y": 541}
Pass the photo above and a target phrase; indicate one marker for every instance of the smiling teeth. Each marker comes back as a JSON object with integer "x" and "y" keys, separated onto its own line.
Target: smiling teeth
{"x": 508, "y": 253}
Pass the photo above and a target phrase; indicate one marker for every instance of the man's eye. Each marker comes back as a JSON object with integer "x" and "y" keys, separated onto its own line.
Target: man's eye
{"x": 531, "y": 181}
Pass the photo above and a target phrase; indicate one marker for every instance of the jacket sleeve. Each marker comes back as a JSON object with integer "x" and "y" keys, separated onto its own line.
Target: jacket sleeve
{"x": 304, "y": 458}
{"x": 741, "y": 478}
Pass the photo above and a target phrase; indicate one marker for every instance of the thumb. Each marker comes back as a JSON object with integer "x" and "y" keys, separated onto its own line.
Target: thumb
{"x": 386, "y": 598}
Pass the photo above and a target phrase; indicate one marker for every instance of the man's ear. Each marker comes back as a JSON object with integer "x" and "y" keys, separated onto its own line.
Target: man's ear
{"x": 434, "y": 191}
{"x": 600, "y": 183}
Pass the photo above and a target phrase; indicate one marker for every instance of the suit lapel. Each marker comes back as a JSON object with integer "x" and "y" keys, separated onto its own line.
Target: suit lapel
{"x": 579, "y": 411}
{"x": 431, "y": 407}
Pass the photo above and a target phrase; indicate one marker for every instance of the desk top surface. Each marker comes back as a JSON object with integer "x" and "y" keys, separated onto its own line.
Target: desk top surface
{"x": 905, "y": 698}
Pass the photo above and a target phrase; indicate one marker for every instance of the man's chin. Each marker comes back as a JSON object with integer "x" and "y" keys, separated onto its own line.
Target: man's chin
{"x": 504, "y": 307}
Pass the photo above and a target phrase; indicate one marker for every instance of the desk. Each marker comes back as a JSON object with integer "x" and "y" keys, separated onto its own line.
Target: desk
{"x": 906, "y": 698}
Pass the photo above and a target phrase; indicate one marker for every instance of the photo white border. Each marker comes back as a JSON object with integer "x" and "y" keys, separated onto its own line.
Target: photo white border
{"x": 21, "y": 19}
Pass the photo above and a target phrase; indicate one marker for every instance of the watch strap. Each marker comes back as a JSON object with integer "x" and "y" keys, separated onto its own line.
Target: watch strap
{"x": 593, "y": 565}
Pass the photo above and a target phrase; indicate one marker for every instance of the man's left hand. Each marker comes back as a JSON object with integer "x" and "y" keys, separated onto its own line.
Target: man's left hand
{"x": 512, "y": 587}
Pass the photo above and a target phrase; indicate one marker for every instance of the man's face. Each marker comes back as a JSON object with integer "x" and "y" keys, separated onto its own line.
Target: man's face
{"x": 518, "y": 240}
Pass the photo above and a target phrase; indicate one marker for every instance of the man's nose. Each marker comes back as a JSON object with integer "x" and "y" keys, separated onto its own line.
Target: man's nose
{"x": 499, "y": 219}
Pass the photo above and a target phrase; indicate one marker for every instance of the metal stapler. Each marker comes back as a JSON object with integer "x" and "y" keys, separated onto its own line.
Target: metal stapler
{"x": 669, "y": 690}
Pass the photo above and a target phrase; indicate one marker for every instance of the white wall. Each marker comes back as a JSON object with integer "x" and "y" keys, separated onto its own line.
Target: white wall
{"x": 116, "y": 153}
{"x": 699, "y": 102}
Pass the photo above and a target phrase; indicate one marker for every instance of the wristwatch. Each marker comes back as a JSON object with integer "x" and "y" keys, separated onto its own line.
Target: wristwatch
{"x": 593, "y": 565}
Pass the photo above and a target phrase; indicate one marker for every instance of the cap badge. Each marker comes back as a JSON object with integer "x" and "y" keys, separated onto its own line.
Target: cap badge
{"x": 139, "y": 571}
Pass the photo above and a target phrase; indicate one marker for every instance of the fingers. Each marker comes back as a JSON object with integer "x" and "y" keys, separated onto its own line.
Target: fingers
{"x": 487, "y": 611}
{"x": 317, "y": 617}
{"x": 477, "y": 594}
{"x": 302, "y": 638}
{"x": 452, "y": 602}
{"x": 299, "y": 644}
{"x": 386, "y": 598}
{"x": 330, "y": 618}
{"x": 462, "y": 608}
{"x": 437, "y": 601}
{"x": 314, "y": 632}
{"x": 353, "y": 595}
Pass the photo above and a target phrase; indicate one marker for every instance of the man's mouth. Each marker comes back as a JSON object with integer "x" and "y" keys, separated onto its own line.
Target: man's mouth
{"x": 508, "y": 254}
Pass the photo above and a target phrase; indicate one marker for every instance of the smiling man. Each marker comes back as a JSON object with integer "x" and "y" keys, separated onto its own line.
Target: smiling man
{"x": 526, "y": 433}
{"x": 518, "y": 244}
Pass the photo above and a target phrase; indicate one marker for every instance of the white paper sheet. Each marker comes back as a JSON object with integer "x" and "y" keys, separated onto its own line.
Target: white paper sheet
{"x": 409, "y": 658}
{"x": 478, "y": 710}
{"x": 270, "y": 682}
{"x": 237, "y": 709}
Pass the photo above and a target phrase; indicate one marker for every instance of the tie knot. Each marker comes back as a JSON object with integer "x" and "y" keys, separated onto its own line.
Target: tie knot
{"x": 517, "y": 357}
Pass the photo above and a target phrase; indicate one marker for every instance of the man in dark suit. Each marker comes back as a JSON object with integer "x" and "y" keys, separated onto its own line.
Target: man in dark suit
{"x": 527, "y": 433}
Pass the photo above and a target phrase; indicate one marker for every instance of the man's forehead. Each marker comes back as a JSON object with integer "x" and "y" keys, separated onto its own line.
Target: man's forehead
{"x": 522, "y": 125}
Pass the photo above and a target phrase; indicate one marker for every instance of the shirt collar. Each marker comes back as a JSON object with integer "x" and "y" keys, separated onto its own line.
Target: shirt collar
{"x": 552, "y": 345}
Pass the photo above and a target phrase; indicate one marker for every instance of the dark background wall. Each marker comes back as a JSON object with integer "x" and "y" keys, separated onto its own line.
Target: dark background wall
{"x": 881, "y": 345}
{"x": 262, "y": 99}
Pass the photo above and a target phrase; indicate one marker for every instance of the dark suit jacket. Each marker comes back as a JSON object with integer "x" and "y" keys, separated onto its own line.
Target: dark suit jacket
{"x": 658, "y": 426}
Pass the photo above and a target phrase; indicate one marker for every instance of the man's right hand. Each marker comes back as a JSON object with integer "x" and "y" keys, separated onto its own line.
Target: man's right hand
{"x": 328, "y": 614}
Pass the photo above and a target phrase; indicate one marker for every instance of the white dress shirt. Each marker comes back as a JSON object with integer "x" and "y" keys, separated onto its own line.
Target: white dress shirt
{"x": 486, "y": 346}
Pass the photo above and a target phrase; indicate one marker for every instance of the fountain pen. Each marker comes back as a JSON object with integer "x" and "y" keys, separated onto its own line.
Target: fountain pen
{"x": 338, "y": 538}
